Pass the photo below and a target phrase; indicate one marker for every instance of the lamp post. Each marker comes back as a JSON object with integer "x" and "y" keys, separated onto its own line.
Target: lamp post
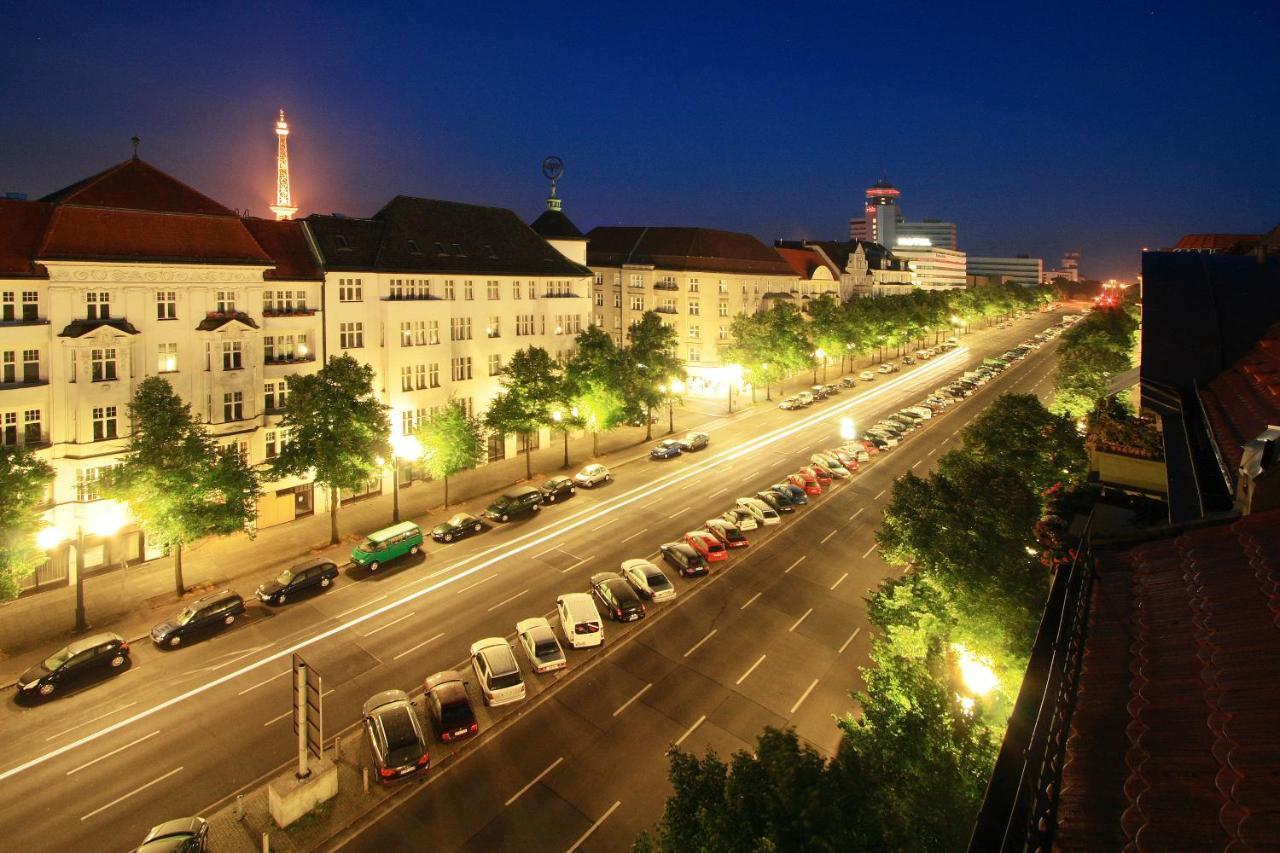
{"x": 733, "y": 370}
{"x": 676, "y": 387}
{"x": 558, "y": 417}
{"x": 107, "y": 519}
{"x": 408, "y": 449}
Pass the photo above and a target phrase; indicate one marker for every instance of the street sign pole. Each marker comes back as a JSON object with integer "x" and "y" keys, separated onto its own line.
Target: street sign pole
{"x": 300, "y": 712}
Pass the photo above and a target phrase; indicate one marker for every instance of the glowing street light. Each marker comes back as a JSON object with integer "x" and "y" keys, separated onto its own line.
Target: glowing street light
{"x": 405, "y": 448}
{"x": 730, "y": 373}
{"x": 847, "y": 432}
{"x": 105, "y": 520}
{"x": 978, "y": 676}
{"x": 675, "y": 387}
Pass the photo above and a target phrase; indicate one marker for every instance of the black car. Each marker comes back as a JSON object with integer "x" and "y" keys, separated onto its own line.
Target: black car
{"x": 447, "y": 702}
{"x": 85, "y": 658}
{"x": 200, "y": 616}
{"x": 184, "y": 835}
{"x": 395, "y": 736}
{"x": 460, "y": 525}
{"x": 848, "y": 382}
{"x": 297, "y": 580}
{"x": 558, "y": 488}
{"x": 694, "y": 441}
{"x": 518, "y": 501}
{"x": 684, "y": 559}
{"x": 777, "y": 501}
{"x": 616, "y": 597}
{"x": 791, "y": 492}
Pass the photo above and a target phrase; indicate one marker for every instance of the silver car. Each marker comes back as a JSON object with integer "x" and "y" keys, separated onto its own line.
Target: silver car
{"x": 648, "y": 580}
{"x": 593, "y": 475}
{"x": 540, "y": 644}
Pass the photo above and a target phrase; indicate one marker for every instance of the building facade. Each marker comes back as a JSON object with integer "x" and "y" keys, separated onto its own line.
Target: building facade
{"x": 933, "y": 267}
{"x": 1019, "y": 269}
{"x": 882, "y": 222}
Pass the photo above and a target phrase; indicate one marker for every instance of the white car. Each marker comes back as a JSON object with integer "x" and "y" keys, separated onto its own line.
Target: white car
{"x": 580, "y": 620}
{"x": 761, "y": 511}
{"x": 741, "y": 517}
{"x": 887, "y": 367}
{"x": 648, "y": 580}
{"x": 593, "y": 475}
{"x": 868, "y": 376}
{"x": 832, "y": 464}
{"x": 497, "y": 671}
{"x": 540, "y": 644}
{"x": 790, "y": 404}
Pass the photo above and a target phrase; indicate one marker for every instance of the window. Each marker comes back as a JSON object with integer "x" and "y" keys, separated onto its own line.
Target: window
{"x": 226, "y": 302}
{"x": 97, "y": 305}
{"x": 460, "y": 329}
{"x": 599, "y": 279}
{"x": 724, "y": 308}
{"x": 273, "y": 443}
{"x": 693, "y": 285}
{"x": 233, "y": 406}
{"x": 637, "y": 280}
{"x": 232, "y": 355}
{"x": 8, "y": 307}
{"x": 166, "y": 358}
{"x": 104, "y": 423}
{"x": 724, "y": 288}
{"x": 88, "y": 481}
{"x": 495, "y": 364}
{"x": 32, "y": 433}
{"x": 599, "y": 295}
{"x": 468, "y": 406}
{"x": 617, "y": 300}
{"x": 461, "y": 368}
{"x": 515, "y": 289}
{"x": 9, "y": 429}
{"x": 695, "y": 332}
{"x": 420, "y": 379}
{"x": 468, "y": 290}
{"x": 9, "y": 374}
{"x": 448, "y": 288}
{"x": 408, "y": 424}
{"x": 529, "y": 442}
{"x": 695, "y": 355}
{"x": 166, "y": 305}
{"x": 350, "y": 290}
{"x": 693, "y": 307}
{"x": 284, "y": 301}
{"x": 492, "y": 289}
{"x": 497, "y": 447}
{"x": 279, "y": 348}
{"x": 524, "y": 325}
{"x": 413, "y": 248}
{"x": 102, "y": 364}
{"x": 433, "y": 375}
{"x": 637, "y": 303}
{"x": 350, "y": 335}
{"x": 724, "y": 333}
{"x": 406, "y": 377}
{"x": 275, "y": 395}
{"x": 433, "y": 331}
{"x": 494, "y": 329}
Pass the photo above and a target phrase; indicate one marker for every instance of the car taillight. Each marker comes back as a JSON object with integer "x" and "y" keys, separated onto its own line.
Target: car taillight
{"x": 446, "y": 737}
{"x": 425, "y": 759}
{"x": 124, "y": 647}
{"x": 386, "y": 772}
{"x": 475, "y": 727}
{"x": 618, "y": 612}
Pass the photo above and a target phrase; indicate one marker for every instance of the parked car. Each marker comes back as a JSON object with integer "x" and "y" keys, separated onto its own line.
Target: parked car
{"x": 668, "y": 448}
{"x": 775, "y": 500}
{"x": 763, "y": 513}
{"x": 694, "y": 441}
{"x": 300, "y": 579}
{"x": 446, "y": 699}
{"x": 580, "y": 620}
{"x": 848, "y": 381}
{"x": 826, "y": 475}
{"x": 867, "y": 445}
{"x": 790, "y": 404}
{"x": 730, "y": 534}
{"x": 818, "y": 473}
{"x": 867, "y": 376}
{"x": 616, "y": 597}
{"x": 395, "y": 736}
{"x": 683, "y": 559}
{"x": 517, "y": 501}
{"x": 831, "y": 389}
{"x": 201, "y": 616}
{"x": 805, "y": 398}
{"x": 882, "y": 439}
{"x": 793, "y": 493}
{"x": 592, "y": 475}
{"x": 830, "y": 464}
{"x": 540, "y": 644}
{"x": 497, "y": 671}
{"x": 711, "y": 548}
{"x": 739, "y": 516}
{"x": 557, "y": 489}
{"x": 390, "y": 543}
{"x": 184, "y": 835}
{"x": 648, "y": 580}
{"x": 818, "y": 392}
{"x": 807, "y": 481}
{"x": 94, "y": 655}
{"x": 459, "y": 525}
{"x": 887, "y": 367}
{"x": 846, "y": 459}
{"x": 906, "y": 359}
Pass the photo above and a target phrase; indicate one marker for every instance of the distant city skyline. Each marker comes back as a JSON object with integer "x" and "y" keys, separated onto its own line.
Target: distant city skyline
{"x": 1124, "y": 129}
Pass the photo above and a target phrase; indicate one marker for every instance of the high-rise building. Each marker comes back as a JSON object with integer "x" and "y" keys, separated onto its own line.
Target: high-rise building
{"x": 1070, "y": 268}
{"x": 883, "y": 223}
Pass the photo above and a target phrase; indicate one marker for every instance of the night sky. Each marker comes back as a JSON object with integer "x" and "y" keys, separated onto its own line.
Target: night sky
{"x": 1035, "y": 127}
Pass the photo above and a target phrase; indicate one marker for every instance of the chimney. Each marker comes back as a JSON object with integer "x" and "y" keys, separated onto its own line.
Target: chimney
{"x": 1258, "y": 480}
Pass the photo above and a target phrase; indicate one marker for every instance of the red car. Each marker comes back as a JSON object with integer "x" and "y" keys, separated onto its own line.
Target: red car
{"x": 706, "y": 544}
{"x": 730, "y": 534}
{"x": 847, "y": 459}
{"x": 807, "y": 480}
{"x": 869, "y": 446}
{"x": 822, "y": 475}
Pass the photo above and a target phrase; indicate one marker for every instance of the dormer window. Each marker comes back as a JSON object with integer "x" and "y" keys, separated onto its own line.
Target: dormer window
{"x": 341, "y": 242}
{"x": 413, "y": 248}
{"x": 488, "y": 252}
{"x": 457, "y": 250}
{"x": 440, "y": 250}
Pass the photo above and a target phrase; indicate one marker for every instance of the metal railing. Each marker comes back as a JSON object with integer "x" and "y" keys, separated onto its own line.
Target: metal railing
{"x": 1020, "y": 809}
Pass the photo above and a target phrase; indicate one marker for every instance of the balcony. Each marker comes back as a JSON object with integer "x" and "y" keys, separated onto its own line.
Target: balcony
{"x": 665, "y": 285}
{"x": 23, "y": 321}
{"x": 291, "y": 358}
{"x": 23, "y": 383}
{"x": 666, "y": 309}
{"x": 301, "y": 311}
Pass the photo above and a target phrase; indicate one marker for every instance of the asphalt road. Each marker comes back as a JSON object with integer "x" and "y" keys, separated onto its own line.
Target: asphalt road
{"x": 182, "y": 729}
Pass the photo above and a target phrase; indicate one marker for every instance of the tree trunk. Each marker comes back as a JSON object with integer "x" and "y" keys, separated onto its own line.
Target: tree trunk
{"x": 768, "y": 392}
{"x": 595, "y": 443}
{"x": 333, "y": 515}
{"x": 528, "y": 458}
{"x": 177, "y": 570}
{"x": 648, "y": 423}
{"x": 446, "y": 492}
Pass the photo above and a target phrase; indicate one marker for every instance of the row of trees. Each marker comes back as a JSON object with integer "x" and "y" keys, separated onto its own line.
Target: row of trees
{"x": 774, "y": 344}
{"x": 1090, "y": 354}
{"x": 953, "y": 633}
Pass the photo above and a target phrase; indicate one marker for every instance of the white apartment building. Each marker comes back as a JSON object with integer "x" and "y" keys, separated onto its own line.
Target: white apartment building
{"x": 933, "y": 267}
{"x": 697, "y": 279}
{"x": 864, "y": 269}
{"x": 1019, "y": 269}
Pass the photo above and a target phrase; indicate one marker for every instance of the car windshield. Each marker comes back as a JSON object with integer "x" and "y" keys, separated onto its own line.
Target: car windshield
{"x": 456, "y": 714}
{"x": 546, "y": 648}
{"x": 368, "y": 546}
{"x": 284, "y": 577}
{"x": 57, "y": 659}
{"x": 186, "y": 616}
{"x": 551, "y": 484}
{"x": 500, "y": 682}
{"x": 460, "y": 520}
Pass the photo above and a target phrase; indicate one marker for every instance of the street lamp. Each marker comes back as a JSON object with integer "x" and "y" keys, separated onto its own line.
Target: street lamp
{"x": 847, "y": 432}
{"x": 731, "y": 371}
{"x": 978, "y": 677}
{"x": 409, "y": 449}
{"x": 106, "y": 520}
{"x": 819, "y": 355}
{"x": 676, "y": 387}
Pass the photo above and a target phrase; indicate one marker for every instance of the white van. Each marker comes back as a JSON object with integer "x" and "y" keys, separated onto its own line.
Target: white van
{"x": 580, "y": 620}
{"x": 760, "y": 511}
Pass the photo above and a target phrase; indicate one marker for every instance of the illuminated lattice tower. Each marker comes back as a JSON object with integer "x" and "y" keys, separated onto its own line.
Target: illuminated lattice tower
{"x": 283, "y": 208}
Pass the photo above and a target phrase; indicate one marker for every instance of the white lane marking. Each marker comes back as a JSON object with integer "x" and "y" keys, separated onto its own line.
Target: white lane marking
{"x": 867, "y": 552}
{"x": 916, "y": 463}
{"x": 828, "y": 536}
{"x": 931, "y": 452}
{"x": 750, "y": 669}
{"x": 721, "y": 492}
{"x": 801, "y": 619}
{"x": 265, "y": 681}
{"x": 652, "y": 503}
{"x": 680, "y": 511}
{"x": 602, "y": 526}
{"x": 138, "y": 790}
{"x": 750, "y": 601}
{"x": 633, "y": 535}
{"x": 852, "y": 637}
{"x": 858, "y": 513}
{"x": 944, "y": 441}
{"x": 387, "y": 625}
{"x": 236, "y": 657}
{"x": 535, "y": 780}
{"x": 112, "y": 752}
{"x": 880, "y": 495}
{"x": 840, "y": 580}
{"x": 415, "y": 648}
{"x": 694, "y": 647}
{"x": 276, "y": 719}
{"x": 627, "y": 703}
{"x": 507, "y": 550}
{"x": 691, "y": 729}
{"x": 360, "y": 606}
{"x": 476, "y": 584}
{"x": 546, "y": 552}
{"x": 507, "y": 600}
{"x": 793, "y": 565}
{"x": 594, "y": 827}
{"x": 88, "y": 721}
{"x": 575, "y": 565}
{"x": 750, "y": 476}
{"x": 803, "y": 696}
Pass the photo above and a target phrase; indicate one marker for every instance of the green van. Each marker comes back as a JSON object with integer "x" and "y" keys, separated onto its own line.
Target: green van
{"x": 387, "y": 544}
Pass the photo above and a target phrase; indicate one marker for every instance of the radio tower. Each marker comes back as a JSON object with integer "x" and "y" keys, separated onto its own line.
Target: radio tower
{"x": 283, "y": 208}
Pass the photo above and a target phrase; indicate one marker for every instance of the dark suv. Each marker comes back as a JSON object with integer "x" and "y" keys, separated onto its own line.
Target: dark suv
{"x": 447, "y": 702}
{"x": 395, "y": 736}
{"x": 515, "y": 502}
{"x": 83, "y": 659}
{"x": 617, "y": 597}
{"x": 198, "y": 617}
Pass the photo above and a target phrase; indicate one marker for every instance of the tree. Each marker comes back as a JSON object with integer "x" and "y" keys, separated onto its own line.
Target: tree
{"x": 176, "y": 481}
{"x": 336, "y": 428}
{"x": 651, "y": 364}
{"x": 1019, "y": 433}
{"x": 452, "y": 441}
{"x": 24, "y": 481}
{"x": 530, "y": 386}
{"x": 752, "y": 346}
{"x": 592, "y": 379}
{"x": 1090, "y": 354}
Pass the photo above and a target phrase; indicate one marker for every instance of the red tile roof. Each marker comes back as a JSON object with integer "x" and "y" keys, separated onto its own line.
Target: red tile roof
{"x": 1244, "y": 400}
{"x": 22, "y": 225}
{"x": 99, "y": 234}
{"x": 137, "y": 185}
{"x": 1175, "y": 740}
{"x": 287, "y": 245}
{"x": 803, "y": 261}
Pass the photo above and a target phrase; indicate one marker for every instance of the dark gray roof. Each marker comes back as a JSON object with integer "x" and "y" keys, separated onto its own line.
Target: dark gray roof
{"x": 840, "y": 250}
{"x": 554, "y": 225}
{"x": 419, "y": 235}
{"x": 684, "y": 249}
{"x": 81, "y": 327}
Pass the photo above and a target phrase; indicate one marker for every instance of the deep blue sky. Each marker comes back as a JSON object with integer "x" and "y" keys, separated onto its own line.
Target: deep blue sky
{"x": 1105, "y": 126}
